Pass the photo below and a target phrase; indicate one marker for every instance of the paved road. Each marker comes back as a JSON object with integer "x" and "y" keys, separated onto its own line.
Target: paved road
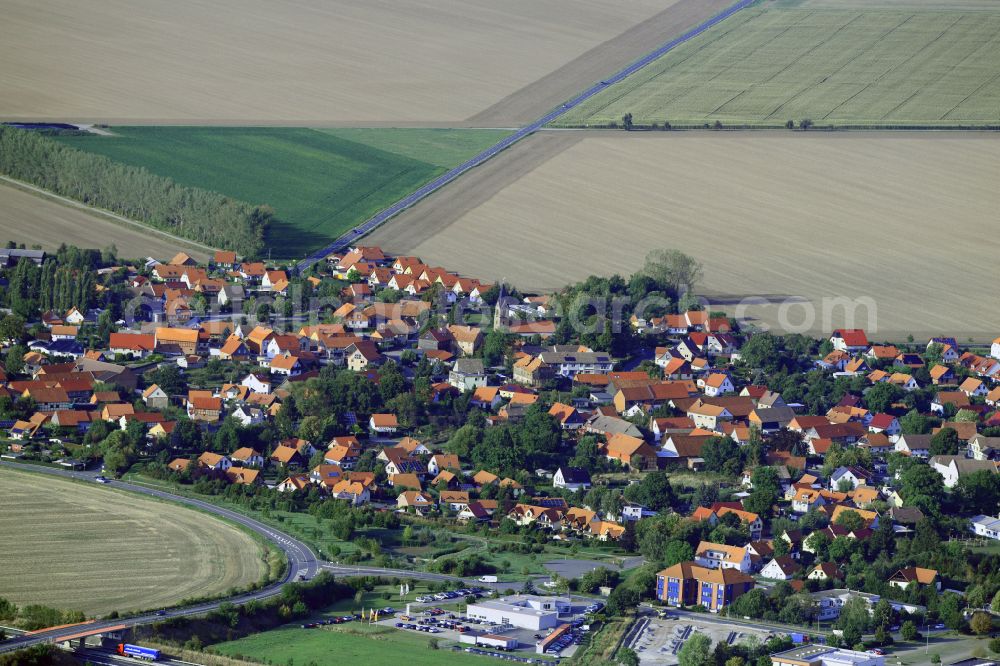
{"x": 380, "y": 218}
{"x": 301, "y": 560}
{"x": 110, "y": 658}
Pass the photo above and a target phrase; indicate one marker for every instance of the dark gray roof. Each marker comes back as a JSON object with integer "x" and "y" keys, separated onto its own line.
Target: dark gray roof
{"x": 575, "y": 475}
{"x": 469, "y": 366}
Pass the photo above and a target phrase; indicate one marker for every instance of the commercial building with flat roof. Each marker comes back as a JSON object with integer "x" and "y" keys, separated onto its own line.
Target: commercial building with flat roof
{"x": 824, "y": 655}
{"x": 526, "y": 611}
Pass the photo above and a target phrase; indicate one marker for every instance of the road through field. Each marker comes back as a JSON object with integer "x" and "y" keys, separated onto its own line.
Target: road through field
{"x": 526, "y": 104}
{"x": 437, "y": 213}
{"x": 382, "y": 217}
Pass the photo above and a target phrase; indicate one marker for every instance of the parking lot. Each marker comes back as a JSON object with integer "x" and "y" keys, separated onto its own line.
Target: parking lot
{"x": 659, "y": 640}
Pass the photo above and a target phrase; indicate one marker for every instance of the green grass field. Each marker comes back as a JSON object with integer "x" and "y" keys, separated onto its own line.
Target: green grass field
{"x": 352, "y": 643}
{"x": 319, "y": 182}
{"x": 904, "y": 66}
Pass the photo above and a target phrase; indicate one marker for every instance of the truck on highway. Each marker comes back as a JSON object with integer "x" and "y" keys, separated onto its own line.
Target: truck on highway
{"x": 488, "y": 579}
{"x": 138, "y": 652}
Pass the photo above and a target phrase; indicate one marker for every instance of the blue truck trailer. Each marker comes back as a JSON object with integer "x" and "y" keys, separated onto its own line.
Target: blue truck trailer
{"x": 138, "y": 652}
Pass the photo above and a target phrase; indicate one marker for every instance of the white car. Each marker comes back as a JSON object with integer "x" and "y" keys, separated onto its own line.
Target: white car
{"x": 101, "y": 479}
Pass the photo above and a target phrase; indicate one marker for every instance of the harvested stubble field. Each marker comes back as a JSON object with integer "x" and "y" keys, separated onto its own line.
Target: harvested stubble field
{"x": 319, "y": 182}
{"x": 290, "y": 61}
{"x": 894, "y": 64}
{"x": 806, "y": 215}
{"x": 71, "y": 546}
{"x": 32, "y": 219}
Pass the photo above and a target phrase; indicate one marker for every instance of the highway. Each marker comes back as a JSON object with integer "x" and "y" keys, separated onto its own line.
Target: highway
{"x": 381, "y": 217}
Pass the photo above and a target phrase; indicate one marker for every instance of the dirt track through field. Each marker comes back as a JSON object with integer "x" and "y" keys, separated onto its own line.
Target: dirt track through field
{"x": 30, "y": 218}
{"x": 811, "y": 216}
{"x": 532, "y": 101}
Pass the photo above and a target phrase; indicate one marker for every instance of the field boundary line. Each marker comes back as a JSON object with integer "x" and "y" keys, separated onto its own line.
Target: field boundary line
{"x": 73, "y": 203}
{"x": 983, "y": 85}
{"x": 484, "y": 156}
{"x": 670, "y": 68}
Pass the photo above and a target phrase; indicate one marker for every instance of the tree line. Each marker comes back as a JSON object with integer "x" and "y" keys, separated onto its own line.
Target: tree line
{"x": 49, "y": 287}
{"x": 189, "y": 212}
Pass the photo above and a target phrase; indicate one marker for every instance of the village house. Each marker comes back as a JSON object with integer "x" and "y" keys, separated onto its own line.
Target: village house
{"x": 214, "y": 462}
{"x": 720, "y": 556}
{"x": 443, "y": 461}
{"x": 207, "y": 409}
{"x": 915, "y": 575}
{"x": 247, "y": 457}
{"x": 952, "y": 468}
{"x": 569, "y": 418}
{"x": 571, "y": 478}
{"x": 851, "y": 340}
{"x": 467, "y": 339}
{"x": 982, "y": 447}
{"x": 631, "y": 452}
{"x": 467, "y": 374}
{"x": 355, "y": 488}
{"x": 177, "y": 341}
{"x": 781, "y": 568}
{"x": 362, "y": 354}
{"x": 383, "y": 424}
{"x": 918, "y": 446}
{"x": 288, "y": 456}
{"x": 155, "y": 397}
{"x": 134, "y": 345}
{"x": 825, "y": 571}
{"x": 716, "y": 384}
{"x": 419, "y": 501}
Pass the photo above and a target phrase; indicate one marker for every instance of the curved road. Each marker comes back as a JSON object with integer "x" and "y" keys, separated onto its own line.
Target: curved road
{"x": 301, "y": 560}
{"x": 381, "y": 217}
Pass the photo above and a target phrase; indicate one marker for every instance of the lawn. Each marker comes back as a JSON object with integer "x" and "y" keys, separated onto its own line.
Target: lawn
{"x": 300, "y": 525}
{"x": 320, "y": 183}
{"x": 356, "y": 643}
{"x": 94, "y": 549}
{"x": 895, "y": 66}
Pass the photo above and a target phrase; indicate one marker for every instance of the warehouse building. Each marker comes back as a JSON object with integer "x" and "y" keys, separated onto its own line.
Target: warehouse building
{"x": 823, "y": 655}
{"x": 526, "y": 611}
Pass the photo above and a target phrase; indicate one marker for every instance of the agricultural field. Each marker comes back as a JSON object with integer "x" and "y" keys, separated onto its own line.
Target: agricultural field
{"x": 892, "y": 63}
{"x": 792, "y": 218}
{"x": 320, "y": 182}
{"x": 303, "y": 62}
{"x": 96, "y": 550}
{"x": 29, "y": 218}
{"x": 350, "y": 643}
